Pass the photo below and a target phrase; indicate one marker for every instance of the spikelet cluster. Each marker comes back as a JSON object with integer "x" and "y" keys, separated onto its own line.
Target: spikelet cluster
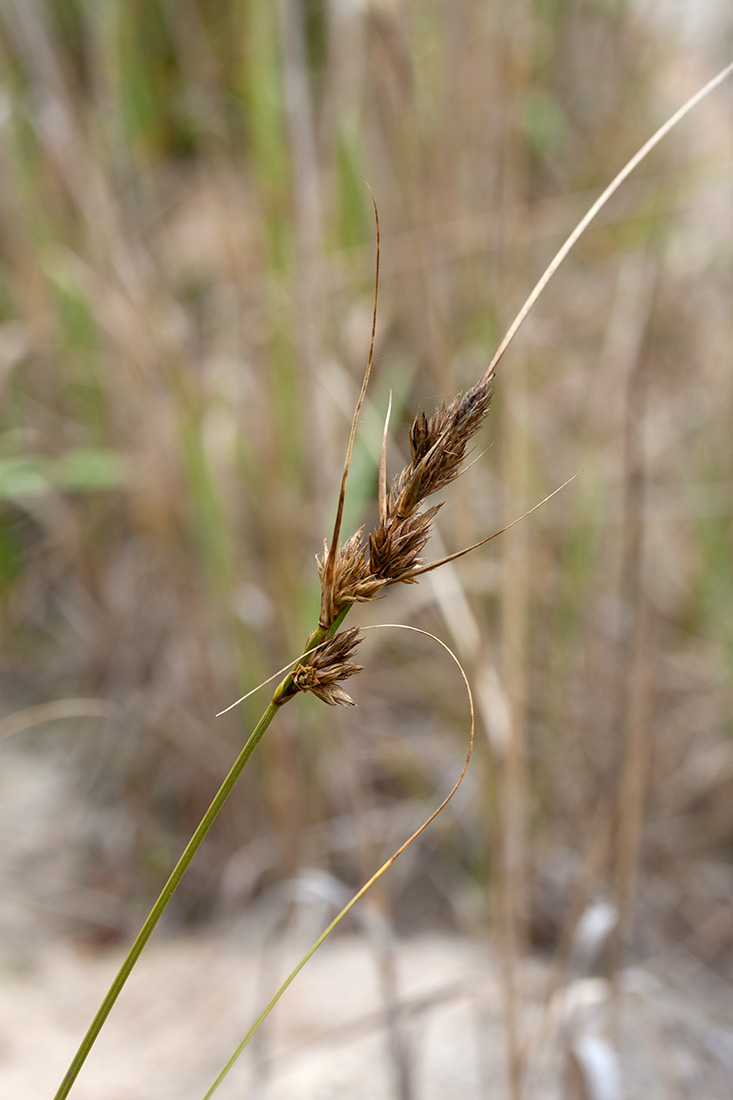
{"x": 391, "y": 554}
{"x": 324, "y": 667}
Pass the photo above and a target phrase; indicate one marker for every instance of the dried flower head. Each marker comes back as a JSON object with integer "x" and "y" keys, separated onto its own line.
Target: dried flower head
{"x": 353, "y": 581}
{"x": 322, "y": 669}
{"x": 437, "y": 447}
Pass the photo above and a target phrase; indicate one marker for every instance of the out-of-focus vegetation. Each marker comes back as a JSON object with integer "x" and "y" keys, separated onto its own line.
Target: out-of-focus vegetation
{"x": 186, "y": 279}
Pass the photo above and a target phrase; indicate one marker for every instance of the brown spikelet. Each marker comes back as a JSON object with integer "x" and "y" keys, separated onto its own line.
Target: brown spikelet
{"x": 326, "y": 666}
{"x": 438, "y": 446}
{"x": 395, "y": 546}
{"x": 351, "y": 581}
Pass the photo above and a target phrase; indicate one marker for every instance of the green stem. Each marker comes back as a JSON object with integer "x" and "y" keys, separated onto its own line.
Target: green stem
{"x": 283, "y": 692}
{"x": 167, "y": 893}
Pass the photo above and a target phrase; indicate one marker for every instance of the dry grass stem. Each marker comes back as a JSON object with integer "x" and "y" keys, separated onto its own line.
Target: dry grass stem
{"x": 596, "y": 208}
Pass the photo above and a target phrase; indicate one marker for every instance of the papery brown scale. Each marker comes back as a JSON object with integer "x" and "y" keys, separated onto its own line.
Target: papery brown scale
{"x": 394, "y": 550}
{"x": 410, "y": 495}
{"x": 334, "y": 695}
{"x": 337, "y": 649}
{"x": 379, "y": 550}
{"x": 351, "y": 579}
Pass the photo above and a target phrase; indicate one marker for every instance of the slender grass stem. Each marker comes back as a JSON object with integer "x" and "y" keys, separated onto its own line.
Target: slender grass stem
{"x": 378, "y": 874}
{"x": 166, "y": 894}
{"x": 283, "y": 692}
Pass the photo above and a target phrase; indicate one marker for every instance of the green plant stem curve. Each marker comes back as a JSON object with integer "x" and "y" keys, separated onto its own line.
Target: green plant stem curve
{"x": 283, "y": 693}
{"x": 166, "y": 894}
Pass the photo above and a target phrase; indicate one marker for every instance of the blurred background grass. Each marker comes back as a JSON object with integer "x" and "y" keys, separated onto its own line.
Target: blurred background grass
{"x": 186, "y": 279}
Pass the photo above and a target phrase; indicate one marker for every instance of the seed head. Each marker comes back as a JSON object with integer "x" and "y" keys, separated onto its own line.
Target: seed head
{"x": 392, "y": 553}
{"x": 353, "y": 580}
{"x": 395, "y": 546}
{"x": 438, "y": 448}
{"x": 323, "y": 669}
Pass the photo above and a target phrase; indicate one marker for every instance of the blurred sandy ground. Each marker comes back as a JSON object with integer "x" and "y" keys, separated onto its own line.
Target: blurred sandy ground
{"x": 190, "y": 1002}
{"x": 369, "y": 1017}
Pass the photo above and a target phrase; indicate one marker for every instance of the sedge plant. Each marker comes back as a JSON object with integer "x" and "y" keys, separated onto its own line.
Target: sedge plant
{"x": 359, "y": 570}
